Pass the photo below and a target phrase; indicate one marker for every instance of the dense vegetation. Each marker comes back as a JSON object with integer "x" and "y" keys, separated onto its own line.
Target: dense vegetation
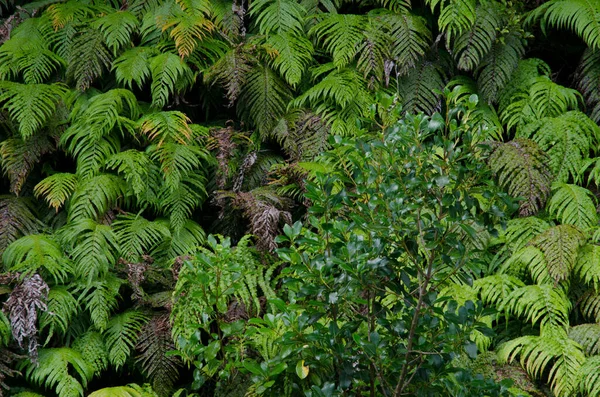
{"x": 299, "y": 197}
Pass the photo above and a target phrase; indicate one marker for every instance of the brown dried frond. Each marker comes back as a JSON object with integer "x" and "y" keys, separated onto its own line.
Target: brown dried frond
{"x": 22, "y": 308}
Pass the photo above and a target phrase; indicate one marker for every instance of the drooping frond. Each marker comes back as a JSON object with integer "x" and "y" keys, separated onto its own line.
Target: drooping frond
{"x": 117, "y": 28}
{"x": 588, "y": 336}
{"x": 138, "y": 236}
{"x": 231, "y": 71}
{"x": 418, "y": 89}
{"x": 19, "y": 156}
{"x": 186, "y": 240}
{"x": 17, "y": 218}
{"x": 588, "y": 82}
{"x": 94, "y": 196}
{"x": 580, "y": 16}
{"x": 588, "y": 377}
{"x": 56, "y": 189}
{"x": 473, "y": 45}
{"x": 496, "y": 68}
{"x": 294, "y": 54}
{"x": 590, "y": 305}
{"x": 31, "y": 105}
{"x": 411, "y": 38}
{"x": 136, "y": 168}
{"x": 177, "y": 161}
{"x": 263, "y": 99}
{"x": 88, "y": 58}
{"x": 121, "y": 335}
{"x": 100, "y": 298}
{"x": 131, "y": 390}
{"x": 552, "y": 351}
{"x": 573, "y": 205}
{"x": 92, "y": 246}
{"x": 93, "y": 350}
{"x": 134, "y": 66}
{"x": 544, "y": 303}
{"x": 63, "y": 13}
{"x": 521, "y": 230}
{"x": 495, "y": 289}
{"x": 278, "y": 16}
{"x": 456, "y": 16}
{"x": 53, "y": 370}
{"x": 36, "y": 253}
{"x": 187, "y": 28}
{"x": 166, "y": 126}
{"x": 153, "y": 344}
{"x": 340, "y": 35}
{"x": 523, "y": 169}
{"x": 180, "y": 202}
{"x": 567, "y": 139}
{"x": 62, "y": 306}
{"x": 168, "y": 72}
{"x": 587, "y": 267}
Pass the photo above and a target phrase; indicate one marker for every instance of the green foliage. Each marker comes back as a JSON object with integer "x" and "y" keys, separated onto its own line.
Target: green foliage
{"x": 121, "y": 335}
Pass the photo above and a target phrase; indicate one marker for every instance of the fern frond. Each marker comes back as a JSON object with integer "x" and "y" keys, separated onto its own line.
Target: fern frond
{"x": 37, "y": 253}
{"x": 579, "y": 16}
{"x": 567, "y": 139}
{"x": 122, "y": 334}
{"x": 496, "y": 68}
{"x": 573, "y": 205}
{"x": 94, "y": 196}
{"x": 419, "y": 88}
{"x": 134, "y": 66}
{"x": 31, "y": 105}
{"x": 544, "y": 303}
{"x": 92, "y": 246}
{"x": 187, "y": 28}
{"x": 186, "y": 240}
{"x": 153, "y": 344}
{"x": 117, "y": 28}
{"x": 180, "y": 202}
{"x": 139, "y": 236}
{"x": 473, "y": 45}
{"x": 166, "y": 126}
{"x": 19, "y": 156}
{"x": 590, "y": 305}
{"x": 294, "y": 54}
{"x": 136, "y": 169}
{"x": 168, "y": 71}
{"x": 587, "y": 267}
{"x": 588, "y": 379}
{"x": 411, "y": 38}
{"x": 263, "y": 99}
{"x": 52, "y": 370}
{"x": 62, "y": 14}
{"x": 588, "y": 336}
{"x": 495, "y": 289}
{"x": 131, "y": 390}
{"x": 17, "y": 218}
{"x": 588, "y": 81}
{"x": 100, "y": 298}
{"x": 552, "y": 351}
{"x": 456, "y": 16}
{"x": 88, "y": 57}
{"x": 340, "y": 35}
{"x": 93, "y": 350}
{"x": 56, "y": 189}
{"x": 523, "y": 169}
{"x": 62, "y": 306}
{"x": 278, "y": 16}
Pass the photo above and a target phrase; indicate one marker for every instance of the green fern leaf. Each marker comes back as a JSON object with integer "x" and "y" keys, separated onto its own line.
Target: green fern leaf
{"x": 188, "y": 28}
{"x": 180, "y": 202}
{"x": 587, "y": 267}
{"x": 588, "y": 81}
{"x": 168, "y": 72}
{"x": 64, "y": 13}
{"x": 552, "y": 351}
{"x": 544, "y": 303}
{"x": 278, "y": 16}
{"x": 136, "y": 168}
{"x": 411, "y": 38}
{"x": 294, "y": 54}
{"x": 163, "y": 127}
{"x": 139, "y": 236}
{"x": 88, "y": 57}
{"x": 133, "y": 66}
{"x": 340, "y": 35}
{"x": 573, "y": 205}
{"x": 62, "y": 306}
{"x": 18, "y": 218}
{"x": 456, "y": 16}
{"x": 31, "y": 105}
{"x": 52, "y": 370}
{"x": 131, "y": 390}
{"x": 94, "y": 196}
{"x": 121, "y": 335}
{"x": 588, "y": 336}
{"x": 56, "y": 189}
{"x": 589, "y": 379}
{"x": 37, "y": 253}
{"x": 419, "y": 88}
{"x": 495, "y": 289}
{"x": 93, "y": 350}
{"x": 100, "y": 298}
{"x": 117, "y": 28}
{"x": 590, "y": 305}
{"x": 185, "y": 241}
{"x": 522, "y": 168}
{"x": 231, "y": 70}
{"x": 473, "y": 45}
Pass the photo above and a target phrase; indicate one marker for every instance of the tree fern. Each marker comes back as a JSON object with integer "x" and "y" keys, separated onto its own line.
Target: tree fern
{"x": 580, "y": 16}
{"x": 56, "y": 189}
{"x": 52, "y": 370}
{"x": 92, "y": 246}
{"x": 37, "y": 253}
{"x": 543, "y": 303}
{"x": 552, "y": 351}
{"x": 522, "y": 168}
{"x": 62, "y": 306}
{"x": 340, "y": 35}
{"x": 31, "y": 105}
{"x": 121, "y": 335}
{"x": 567, "y": 139}
{"x": 94, "y": 196}
{"x": 187, "y": 27}
{"x": 19, "y": 157}
{"x": 117, "y": 28}
{"x": 573, "y": 205}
